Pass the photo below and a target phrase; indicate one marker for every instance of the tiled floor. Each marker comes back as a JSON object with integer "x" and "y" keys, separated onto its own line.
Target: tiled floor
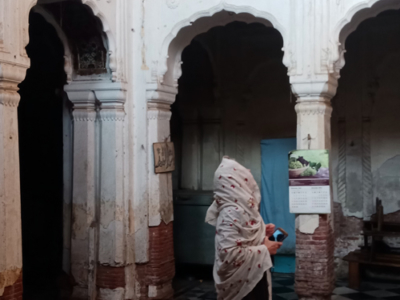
{"x": 283, "y": 289}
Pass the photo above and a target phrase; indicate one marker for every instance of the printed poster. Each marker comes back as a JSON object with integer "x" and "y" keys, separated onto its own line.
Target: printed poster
{"x": 309, "y": 190}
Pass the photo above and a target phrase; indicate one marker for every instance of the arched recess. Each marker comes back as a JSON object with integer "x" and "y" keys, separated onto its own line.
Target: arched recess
{"x": 36, "y": 112}
{"x": 168, "y": 68}
{"x": 162, "y": 88}
{"x": 112, "y": 63}
{"x": 161, "y": 94}
{"x": 351, "y": 20}
{"x": 50, "y": 10}
{"x": 40, "y": 123}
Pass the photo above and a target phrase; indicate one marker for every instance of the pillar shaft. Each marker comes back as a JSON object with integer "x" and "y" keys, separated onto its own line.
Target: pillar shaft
{"x": 84, "y": 233}
{"x": 10, "y": 197}
{"x": 314, "y": 277}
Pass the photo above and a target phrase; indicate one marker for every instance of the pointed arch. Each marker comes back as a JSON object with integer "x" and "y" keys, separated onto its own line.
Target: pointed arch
{"x": 182, "y": 33}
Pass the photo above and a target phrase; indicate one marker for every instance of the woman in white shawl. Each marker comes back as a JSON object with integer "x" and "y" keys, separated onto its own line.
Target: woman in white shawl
{"x": 243, "y": 250}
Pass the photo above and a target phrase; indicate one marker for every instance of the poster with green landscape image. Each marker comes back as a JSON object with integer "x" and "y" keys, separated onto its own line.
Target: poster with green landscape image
{"x": 309, "y": 190}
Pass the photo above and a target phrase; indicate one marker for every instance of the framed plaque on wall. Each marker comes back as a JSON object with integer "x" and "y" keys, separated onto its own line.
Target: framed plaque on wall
{"x": 164, "y": 157}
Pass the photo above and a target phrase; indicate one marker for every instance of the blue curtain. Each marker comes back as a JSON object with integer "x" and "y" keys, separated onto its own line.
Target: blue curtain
{"x": 275, "y": 190}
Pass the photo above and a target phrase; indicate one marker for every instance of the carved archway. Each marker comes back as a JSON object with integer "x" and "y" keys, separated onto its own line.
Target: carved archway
{"x": 161, "y": 93}
{"x": 168, "y": 70}
{"x": 68, "y": 68}
{"x": 351, "y": 20}
{"x": 112, "y": 63}
{"x": 107, "y": 40}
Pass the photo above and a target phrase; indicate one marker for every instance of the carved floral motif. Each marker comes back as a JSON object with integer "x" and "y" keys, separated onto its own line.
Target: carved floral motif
{"x": 173, "y": 3}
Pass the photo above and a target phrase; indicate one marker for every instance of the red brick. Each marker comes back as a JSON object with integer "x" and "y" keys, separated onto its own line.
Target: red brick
{"x": 110, "y": 277}
{"x": 160, "y": 270}
{"x": 314, "y": 262}
{"x": 13, "y": 292}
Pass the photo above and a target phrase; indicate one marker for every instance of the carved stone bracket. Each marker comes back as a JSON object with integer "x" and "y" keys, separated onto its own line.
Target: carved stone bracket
{"x": 10, "y": 76}
{"x": 159, "y": 93}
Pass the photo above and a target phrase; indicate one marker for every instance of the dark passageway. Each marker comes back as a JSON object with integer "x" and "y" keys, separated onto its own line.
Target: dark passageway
{"x": 45, "y": 133}
{"x": 41, "y": 160}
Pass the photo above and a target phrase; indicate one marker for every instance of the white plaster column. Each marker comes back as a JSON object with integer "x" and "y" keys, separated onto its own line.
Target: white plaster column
{"x": 99, "y": 213}
{"x": 84, "y": 227}
{"x": 160, "y": 185}
{"x": 313, "y": 123}
{"x": 313, "y": 132}
{"x": 113, "y": 211}
{"x": 10, "y": 202}
{"x": 112, "y": 207}
{"x": 314, "y": 273}
{"x": 161, "y": 252}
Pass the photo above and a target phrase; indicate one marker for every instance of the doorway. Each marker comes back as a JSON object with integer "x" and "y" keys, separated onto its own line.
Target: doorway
{"x": 40, "y": 120}
{"x": 234, "y": 92}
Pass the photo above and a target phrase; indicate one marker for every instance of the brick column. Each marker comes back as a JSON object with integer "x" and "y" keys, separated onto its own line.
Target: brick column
{"x": 156, "y": 276}
{"x": 315, "y": 276}
{"x": 10, "y": 197}
{"x": 314, "y": 233}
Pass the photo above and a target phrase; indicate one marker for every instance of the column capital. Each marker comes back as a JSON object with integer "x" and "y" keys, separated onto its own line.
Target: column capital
{"x": 9, "y": 97}
{"x": 10, "y": 76}
{"x": 85, "y": 95}
{"x": 314, "y": 107}
{"x": 322, "y": 88}
{"x": 160, "y": 93}
{"x": 107, "y": 93}
{"x": 82, "y": 99}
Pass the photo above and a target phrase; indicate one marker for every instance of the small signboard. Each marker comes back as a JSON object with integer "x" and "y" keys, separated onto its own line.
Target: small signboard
{"x": 309, "y": 190}
{"x": 164, "y": 157}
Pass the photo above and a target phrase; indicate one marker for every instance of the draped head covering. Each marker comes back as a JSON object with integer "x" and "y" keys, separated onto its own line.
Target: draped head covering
{"x": 241, "y": 257}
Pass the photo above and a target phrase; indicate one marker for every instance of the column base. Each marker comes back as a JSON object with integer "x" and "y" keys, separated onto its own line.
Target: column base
{"x": 314, "y": 278}
{"x": 155, "y": 277}
{"x": 13, "y": 292}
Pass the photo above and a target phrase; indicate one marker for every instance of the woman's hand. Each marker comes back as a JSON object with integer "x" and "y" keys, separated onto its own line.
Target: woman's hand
{"x": 272, "y": 246}
{"x": 269, "y": 230}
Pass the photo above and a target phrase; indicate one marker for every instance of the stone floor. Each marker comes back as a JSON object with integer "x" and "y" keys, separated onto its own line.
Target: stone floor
{"x": 283, "y": 289}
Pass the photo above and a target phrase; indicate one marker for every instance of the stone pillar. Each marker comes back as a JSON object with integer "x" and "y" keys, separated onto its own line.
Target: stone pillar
{"x": 155, "y": 276}
{"x": 113, "y": 211}
{"x": 314, "y": 233}
{"x": 10, "y": 202}
{"x": 84, "y": 226}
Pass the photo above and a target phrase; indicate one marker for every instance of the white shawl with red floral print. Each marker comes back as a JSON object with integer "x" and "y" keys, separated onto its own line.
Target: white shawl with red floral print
{"x": 241, "y": 257}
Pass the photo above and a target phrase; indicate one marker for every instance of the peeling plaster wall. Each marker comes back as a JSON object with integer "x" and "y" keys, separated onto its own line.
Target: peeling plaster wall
{"x": 366, "y": 131}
